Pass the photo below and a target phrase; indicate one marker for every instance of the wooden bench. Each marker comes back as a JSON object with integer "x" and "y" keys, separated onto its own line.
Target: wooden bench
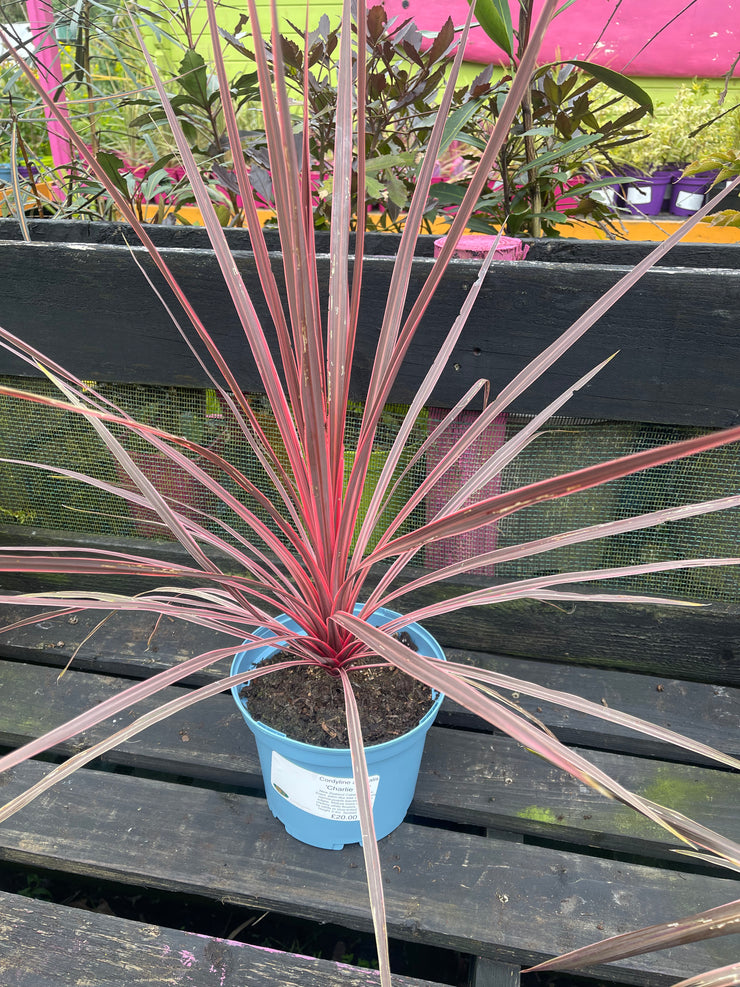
{"x": 538, "y": 866}
{"x": 502, "y": 858}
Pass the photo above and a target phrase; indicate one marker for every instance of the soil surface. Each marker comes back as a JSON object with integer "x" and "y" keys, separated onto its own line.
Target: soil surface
{"x": 306, "y": 703}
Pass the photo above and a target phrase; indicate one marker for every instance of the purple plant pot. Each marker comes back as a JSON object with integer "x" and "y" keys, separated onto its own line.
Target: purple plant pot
{"x": 646, "y": 194}
{"x": 688, "y": 193}
{"x": 611, "y": 194}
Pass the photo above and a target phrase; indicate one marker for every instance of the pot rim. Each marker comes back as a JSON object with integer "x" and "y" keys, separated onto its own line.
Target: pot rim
{"x": 260, "y": 654}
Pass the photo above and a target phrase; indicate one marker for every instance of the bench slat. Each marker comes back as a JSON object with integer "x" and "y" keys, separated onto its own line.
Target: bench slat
{"x": 122, "y": 647}
{"x": 473, "y": 778}
{"x": 714, "y": 716}
{"x": 675, "y": 331}
{"x": 46, "y": 945}
{"x": 695, "y": 643}
{"x": 513, "y": 902}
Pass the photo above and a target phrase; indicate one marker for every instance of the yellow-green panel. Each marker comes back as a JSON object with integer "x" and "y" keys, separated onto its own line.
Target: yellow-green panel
{"x": 229, "y": 14}
{"x": 662, "y": 90}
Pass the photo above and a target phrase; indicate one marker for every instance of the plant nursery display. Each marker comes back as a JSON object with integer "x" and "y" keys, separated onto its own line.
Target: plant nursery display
{"x": 693, "y": 126}
{"x": 721, "y": 161}
{"x": 307, "y": 570}
{"x": 535, "y": 183}
{"x": 573, "y": 111}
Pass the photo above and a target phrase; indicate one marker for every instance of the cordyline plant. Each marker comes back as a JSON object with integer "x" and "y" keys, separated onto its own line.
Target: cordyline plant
{"x": 314, "y": 559}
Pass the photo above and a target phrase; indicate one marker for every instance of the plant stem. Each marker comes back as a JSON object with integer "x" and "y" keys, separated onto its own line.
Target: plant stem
{"x": 525, "y": 22}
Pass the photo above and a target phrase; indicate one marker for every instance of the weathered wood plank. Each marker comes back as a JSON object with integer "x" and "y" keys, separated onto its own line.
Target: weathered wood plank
{"x": 714, "y": 709}
{"x": 497, "y": 784}
{"x": 47, "y": 945}
{"x": 560, "y": 250}
{"x": 93, "y": 311}
{"x": 478, "y": 779}
{"x": 122, "y": 647}
{"x": 472, "y": 778}
{"x": 675, "y": 642}
{"x": 697, "y": 643}
{"x": 564, "y": 250}
{"x": 488, "y": 973}
{"x": 516, "y": 903}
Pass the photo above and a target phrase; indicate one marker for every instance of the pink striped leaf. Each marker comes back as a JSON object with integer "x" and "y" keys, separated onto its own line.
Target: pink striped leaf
{"x": 721, "y": 921}
{"x": 433, "y": 673}
{"x": 492, "y": 508}
{"x": 726, "y": 976}
{"x": 367, "y": 828}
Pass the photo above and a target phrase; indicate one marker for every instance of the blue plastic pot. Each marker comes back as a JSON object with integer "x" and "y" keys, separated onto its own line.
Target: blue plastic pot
{"x": 310, "y": 789}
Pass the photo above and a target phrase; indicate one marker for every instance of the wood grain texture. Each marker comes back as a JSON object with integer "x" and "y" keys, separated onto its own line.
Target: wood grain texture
{"x": 696, "y": 643}
{"x": 47, "y": 945}
{"x": 124, "y": 646}
{"x": 488, "y": 973}
{"x": 466, "y": 777}
{"x": 515, "y": 903}
{"x": 714, "y": 709}
{"x": 676, "y": 332}
{"x": 559, "y": 250}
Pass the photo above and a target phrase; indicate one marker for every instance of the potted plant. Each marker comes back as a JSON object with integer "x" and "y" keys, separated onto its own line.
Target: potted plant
{"x": 301, "y": 585}
{"x": 688, "y": 128}
{"x": 724, "y": 163}
{"x": 539, "y": 169}
{"x": 572, "y": 112}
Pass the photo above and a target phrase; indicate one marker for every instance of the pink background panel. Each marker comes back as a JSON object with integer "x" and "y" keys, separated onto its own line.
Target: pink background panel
{"x": 703, "y": 41}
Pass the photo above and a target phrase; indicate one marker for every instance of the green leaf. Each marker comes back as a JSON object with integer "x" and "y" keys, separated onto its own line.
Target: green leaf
{"x": 374, "y": 189}
{"x": 162, "y": 162}
{"x": 457, "y": 120}
{"x": 616, "y": 81}
{"x": 568, "y": 147}
{"x": 110, "y": 163}
{"x": 552, "y": 90}
{"x": 727, "y": 217}
{"x": 494, "y": 17}
{"x": 191, "y": 132}
{"x": 396, "y": 191}
{"x": 154, "y": 182}
{"x": 223, "y": 214}
{"x": 474, "y": 141}
{"x": 384, "y": 161}
{"x": 246, "y": 86}
{"x": 194, "y": 79}
{"x": 449, "y": 193}
{"x": 148, "y": 119}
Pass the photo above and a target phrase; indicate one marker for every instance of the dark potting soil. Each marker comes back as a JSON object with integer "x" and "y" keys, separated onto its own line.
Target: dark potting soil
{"x": 306, "y": 703}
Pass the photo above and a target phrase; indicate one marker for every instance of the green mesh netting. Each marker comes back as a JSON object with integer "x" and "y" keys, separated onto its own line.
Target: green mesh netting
{"x": 571, "y": 445}
{"x": 51, "y": 500}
